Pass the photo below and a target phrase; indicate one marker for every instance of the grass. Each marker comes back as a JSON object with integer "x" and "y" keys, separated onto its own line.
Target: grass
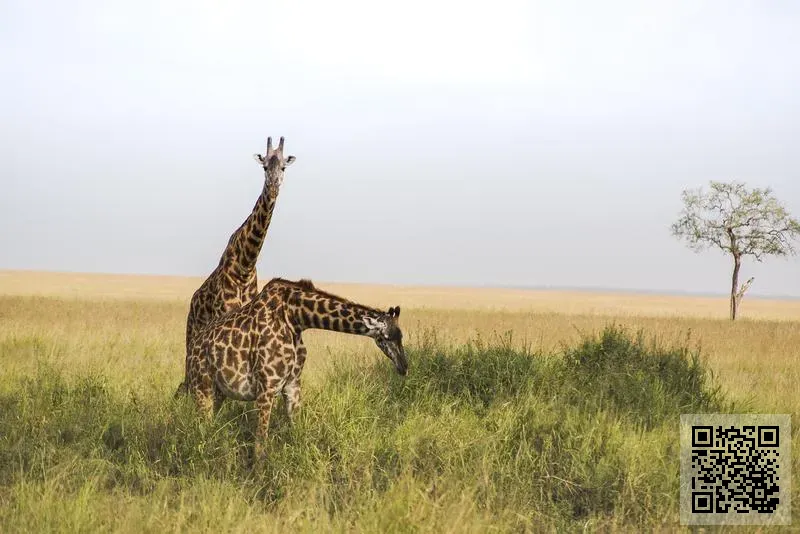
{"x": 509, "y": 420}
{"x": 479, "y": 435}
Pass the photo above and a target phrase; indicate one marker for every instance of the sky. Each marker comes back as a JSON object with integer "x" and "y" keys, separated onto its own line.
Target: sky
{"x": 510, "y": 143}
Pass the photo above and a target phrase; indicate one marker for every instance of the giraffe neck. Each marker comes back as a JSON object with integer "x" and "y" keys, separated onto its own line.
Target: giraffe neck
{"x": 314, "y": 309}
{"x": 245, "y": 244}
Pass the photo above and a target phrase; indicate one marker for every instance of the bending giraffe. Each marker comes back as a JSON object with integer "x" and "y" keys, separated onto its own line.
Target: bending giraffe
{"x": 234, "y": 282}
{"x": 257, "y": 351}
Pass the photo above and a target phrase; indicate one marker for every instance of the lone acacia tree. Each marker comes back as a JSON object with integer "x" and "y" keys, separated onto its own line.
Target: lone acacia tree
{"x": 739, "y": 221}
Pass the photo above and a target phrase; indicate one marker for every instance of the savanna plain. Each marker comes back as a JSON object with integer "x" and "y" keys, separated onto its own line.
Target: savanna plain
{"x": 523, "y": 410}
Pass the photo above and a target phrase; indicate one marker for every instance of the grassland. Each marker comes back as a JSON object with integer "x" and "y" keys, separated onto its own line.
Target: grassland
{"x": 509, "y": 419}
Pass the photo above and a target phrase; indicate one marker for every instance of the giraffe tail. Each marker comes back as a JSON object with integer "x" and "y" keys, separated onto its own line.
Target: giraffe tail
{"x": 182, "y": 390}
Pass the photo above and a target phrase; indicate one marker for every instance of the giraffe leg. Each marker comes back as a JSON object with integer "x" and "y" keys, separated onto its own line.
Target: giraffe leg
{"x": 268, "y": 384}
{"x": 182, "y": 389}
{"x": 204, "y": 399}
{"x": 291, "y": 397}
{"x": 219, "y": 398}
{"x": 291, "y": 391}
{"x": 264, "y": 401}
{"x": 200, "y": 385}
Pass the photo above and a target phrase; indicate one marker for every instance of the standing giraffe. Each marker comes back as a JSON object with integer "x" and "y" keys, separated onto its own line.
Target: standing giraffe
{"x": 256, "y": 351}
{"x": 234, "y": 282}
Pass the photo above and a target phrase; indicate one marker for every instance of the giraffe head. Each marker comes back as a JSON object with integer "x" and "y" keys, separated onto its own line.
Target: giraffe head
{"x": 388, "y": 336}
{"x": 274, "y": 162}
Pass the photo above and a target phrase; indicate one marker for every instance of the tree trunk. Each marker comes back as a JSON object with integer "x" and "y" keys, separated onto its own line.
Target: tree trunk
{"x": 737, "y": 263}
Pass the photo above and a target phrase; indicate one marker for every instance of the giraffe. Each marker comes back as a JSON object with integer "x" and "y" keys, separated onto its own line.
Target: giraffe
{"x": 257, "y": 350}
{"x": 234, "y": 281}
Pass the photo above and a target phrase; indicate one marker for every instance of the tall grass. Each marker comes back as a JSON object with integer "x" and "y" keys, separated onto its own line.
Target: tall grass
{"x": 477, "y": 437}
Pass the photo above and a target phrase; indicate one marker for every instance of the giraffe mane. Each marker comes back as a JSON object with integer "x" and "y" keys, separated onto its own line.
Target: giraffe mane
{"x": 306, "y": 285}
{"x": 303, "y": 283}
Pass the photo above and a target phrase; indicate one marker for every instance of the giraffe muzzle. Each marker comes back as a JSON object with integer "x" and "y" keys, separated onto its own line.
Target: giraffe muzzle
{"x": 400, "y": 362}
{"x": 395, "y": 353}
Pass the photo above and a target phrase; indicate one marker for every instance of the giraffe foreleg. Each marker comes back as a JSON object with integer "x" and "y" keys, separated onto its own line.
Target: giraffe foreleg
{"x": 291, "y": 391}
{"x": 264, "y": 402}
{"x": 219, "y": 398}
{"x": 291, "y": 398}
{"x": 182, "y": 389}
{"x": 198, "y": 379}
{"x": 204, "y": 400}
{"x": 268, "y": 385}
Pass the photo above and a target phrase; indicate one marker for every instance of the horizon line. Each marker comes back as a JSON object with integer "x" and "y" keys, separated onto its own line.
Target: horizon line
{"x": 521, "y": 287}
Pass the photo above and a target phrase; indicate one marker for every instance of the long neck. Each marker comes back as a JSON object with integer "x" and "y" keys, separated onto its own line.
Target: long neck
{"x": 311, "y": 309}
{"x": 245, "y": 244}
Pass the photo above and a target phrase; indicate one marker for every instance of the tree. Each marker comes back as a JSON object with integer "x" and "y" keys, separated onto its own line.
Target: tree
{"x": 740, "y": 222}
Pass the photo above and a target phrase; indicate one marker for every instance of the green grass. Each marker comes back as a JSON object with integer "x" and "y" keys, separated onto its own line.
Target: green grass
{"x": 477, "y": 437}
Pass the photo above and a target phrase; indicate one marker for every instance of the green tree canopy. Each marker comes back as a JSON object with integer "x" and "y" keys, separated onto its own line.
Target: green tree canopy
{"x": 739, "y": 221}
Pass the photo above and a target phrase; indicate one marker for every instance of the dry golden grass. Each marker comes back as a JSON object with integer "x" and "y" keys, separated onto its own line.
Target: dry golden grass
{"x": 755, "y": 358}
{"x": 176, "y": 288}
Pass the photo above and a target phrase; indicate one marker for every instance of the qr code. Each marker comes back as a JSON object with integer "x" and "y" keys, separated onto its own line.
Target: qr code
{"x": 735, "y": 469}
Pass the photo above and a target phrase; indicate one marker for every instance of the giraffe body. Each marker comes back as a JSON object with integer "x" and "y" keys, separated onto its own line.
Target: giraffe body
{"x": 234, "y": 282}
{"x": 257, "y": 351}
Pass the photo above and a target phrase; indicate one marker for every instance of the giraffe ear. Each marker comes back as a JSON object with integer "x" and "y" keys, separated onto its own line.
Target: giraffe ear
{"x": 288, "y": 161}
{"x": 259, "y": 158}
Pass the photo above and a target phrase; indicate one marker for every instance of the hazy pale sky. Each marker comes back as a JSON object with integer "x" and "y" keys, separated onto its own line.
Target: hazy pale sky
{"x": 512, "y": 143}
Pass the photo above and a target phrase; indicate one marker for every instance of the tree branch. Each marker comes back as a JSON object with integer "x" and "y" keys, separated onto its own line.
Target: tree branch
{"x": 744, "y": 288}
